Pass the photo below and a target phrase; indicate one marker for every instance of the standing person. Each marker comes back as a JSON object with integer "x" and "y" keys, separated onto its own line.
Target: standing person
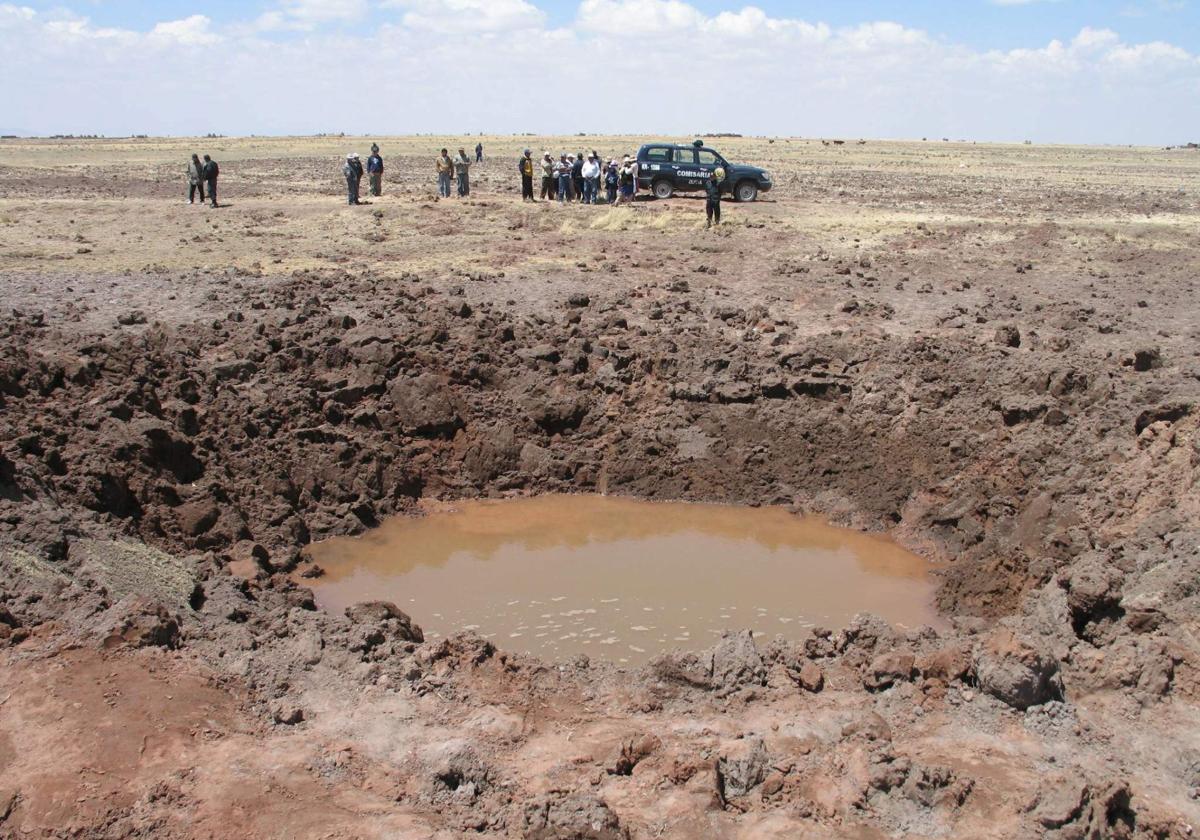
{"x": 352, "y": 176}
{"x": 479, "y": 153}
{"x": 209, "y": 173}
{"x": 375, "y": 171}
{"x": 612, "y": 180}
{"x": 525, "y": 167}
{"x": 563, "y": 172}
{"x": 462, "y": 167}
{"x": 626, "y": 182}
{"x": 577, "y": 175}
{"x": 195, "y": 179}
{"x": 549, "y": 179}
{"x": 712, "y": 190}
{"x": 591, "y": 179}
{"x": 445, "y": 169}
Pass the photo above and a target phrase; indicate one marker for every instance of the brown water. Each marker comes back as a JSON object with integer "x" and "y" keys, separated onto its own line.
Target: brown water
{"x": 619, "y": 579}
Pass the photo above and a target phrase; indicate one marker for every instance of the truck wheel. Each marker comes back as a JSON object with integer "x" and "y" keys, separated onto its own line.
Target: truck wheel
{"x": 663, "y": 189}
{"x": 746, "y": 191}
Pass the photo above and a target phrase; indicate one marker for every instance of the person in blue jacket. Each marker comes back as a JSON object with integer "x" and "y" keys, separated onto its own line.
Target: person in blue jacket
{"x": 375, "y": 170}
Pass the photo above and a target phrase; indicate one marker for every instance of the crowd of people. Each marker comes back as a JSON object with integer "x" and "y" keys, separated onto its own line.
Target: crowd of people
{"x": 578, "y": 177}
{"x": 583, "y": 178}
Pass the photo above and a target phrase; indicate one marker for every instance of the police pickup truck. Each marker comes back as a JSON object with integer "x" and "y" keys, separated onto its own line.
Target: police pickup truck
{"x": 666, "y": 169}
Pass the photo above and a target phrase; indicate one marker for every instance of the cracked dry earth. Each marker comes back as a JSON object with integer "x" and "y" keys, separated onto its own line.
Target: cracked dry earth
{"x": 988, "y": 352}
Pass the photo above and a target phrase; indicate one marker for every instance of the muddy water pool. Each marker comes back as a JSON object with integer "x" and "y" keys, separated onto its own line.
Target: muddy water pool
{"x": 619, "y": 579}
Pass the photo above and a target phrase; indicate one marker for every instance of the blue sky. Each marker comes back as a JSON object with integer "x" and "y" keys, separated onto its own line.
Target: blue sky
{"x": 1099, "y": 71}
{"x": 982, "y": 24}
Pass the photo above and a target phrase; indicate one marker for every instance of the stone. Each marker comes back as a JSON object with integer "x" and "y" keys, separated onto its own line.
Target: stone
{"x": 387, "y": 616}
{"x": 286, "y": 713}
{"x": 1008, "y": 336}
{"x": 742, "y": 769}
{"x": 1015, "y": 672}
{"x": 570, "y": 817}
{"x": 810, "y": 677}
{"x": 141, "y": 622}
{"x": 1143, "y": 359}
{"x": 888, "y": 668}
{"x": 870, "y": 726}
{"x": 424, "y": 406}
{"x": 736, "y": 661}
{"x": 948, "y": 663}
{"x": 196, "y": 518}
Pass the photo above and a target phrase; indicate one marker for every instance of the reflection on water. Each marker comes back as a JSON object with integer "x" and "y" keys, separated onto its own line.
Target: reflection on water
{"x": 620, "y": 579}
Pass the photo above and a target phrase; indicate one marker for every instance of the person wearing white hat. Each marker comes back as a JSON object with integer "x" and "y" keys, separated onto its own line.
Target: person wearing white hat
{"x": 352, "y": 169}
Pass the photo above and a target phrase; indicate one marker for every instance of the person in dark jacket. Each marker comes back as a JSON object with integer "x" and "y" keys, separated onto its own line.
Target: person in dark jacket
{"x": 577, "y": 177}
{"x": 612, "y": 178}
{"x": 375, "y": 171}
{"x": 479, "y": 153}
{"x": 209, "y": 173}
{"x": 352, "y": 169}
{"x": 195, "y": 179}
{"x": 712, "y": 191}
{"x": 525, "y": 167}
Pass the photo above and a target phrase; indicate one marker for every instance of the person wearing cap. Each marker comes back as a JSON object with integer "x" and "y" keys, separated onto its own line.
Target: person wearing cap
{"x": 525, "y": 167}
{"x": 549, "y": 179}
{"x": 352, "y": 169}
{"x": 375, "y": 171}
{"x": 445, "y": 170}
{"x": 712, "y": 191}
{"x": 612, "y": 180}
{"x": 591, "y": 178}
{"x": 462, "y": 168}
{"x": 627, "y": 179}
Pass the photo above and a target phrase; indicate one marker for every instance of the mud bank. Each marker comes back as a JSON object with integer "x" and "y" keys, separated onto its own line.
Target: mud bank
{"x": 172, "y": 441}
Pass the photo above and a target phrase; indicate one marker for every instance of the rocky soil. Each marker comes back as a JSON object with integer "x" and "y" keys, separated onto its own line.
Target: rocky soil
{"x": 1012, "y": 388}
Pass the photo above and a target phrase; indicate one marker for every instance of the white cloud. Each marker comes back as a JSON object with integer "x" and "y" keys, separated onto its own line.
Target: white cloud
{"x": 307, "y": 15}
{"x": 194, "y": 30}
{"x": 468, "y": 15}
{"x": 637, "y": 17}
{"x": 745, "y": 71}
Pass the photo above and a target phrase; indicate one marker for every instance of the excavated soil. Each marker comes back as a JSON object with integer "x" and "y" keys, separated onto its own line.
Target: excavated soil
{"x": 988, "y": 352}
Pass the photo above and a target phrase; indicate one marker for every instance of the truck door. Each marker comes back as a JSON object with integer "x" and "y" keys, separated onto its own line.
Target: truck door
{"x": 707, "y": 161}
{"x": 654, "y": 163}
{"x": 687, "y": 176}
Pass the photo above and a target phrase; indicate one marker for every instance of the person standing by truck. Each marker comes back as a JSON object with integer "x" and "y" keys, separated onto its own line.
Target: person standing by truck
{"x": 712, "y": 192}
{"x": 445, "y": 170}
{"x": 195, "y": 179}
{"x": 375, "y": 171}
{"x": 525, "y": 167}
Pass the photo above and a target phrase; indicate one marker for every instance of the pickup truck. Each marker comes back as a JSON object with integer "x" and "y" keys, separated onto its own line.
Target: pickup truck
{"x": 665, "y": 169}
